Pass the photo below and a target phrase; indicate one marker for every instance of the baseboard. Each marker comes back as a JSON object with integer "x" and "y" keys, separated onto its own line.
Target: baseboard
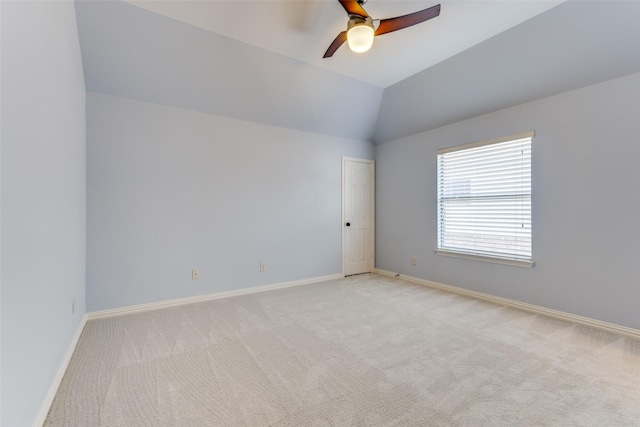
{"x": 46, "y": 405}
{"x": 207, "y": 297}
{"x": 57, "y": 380}
{"x": 587, "y": 321}
{"x": 53, "y": 389}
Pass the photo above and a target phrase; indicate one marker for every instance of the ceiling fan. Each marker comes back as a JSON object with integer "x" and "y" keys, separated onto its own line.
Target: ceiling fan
{"x": 360, "y": 30}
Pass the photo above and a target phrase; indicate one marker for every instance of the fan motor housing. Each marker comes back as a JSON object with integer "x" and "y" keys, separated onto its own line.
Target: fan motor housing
{"x": 359, "y": 20}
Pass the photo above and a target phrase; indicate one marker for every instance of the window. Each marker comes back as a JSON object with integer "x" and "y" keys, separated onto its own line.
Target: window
{"x": 484, "y": 200}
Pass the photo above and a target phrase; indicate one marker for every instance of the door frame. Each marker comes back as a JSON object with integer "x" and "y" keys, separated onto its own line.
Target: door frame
{"x": 372, "y": 182}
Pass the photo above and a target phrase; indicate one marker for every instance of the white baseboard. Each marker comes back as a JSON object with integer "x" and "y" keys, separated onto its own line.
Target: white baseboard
{"x": 46, "y": 405}
{"x": 587, "y": 321}
{"x": 208, "y": 297}
{"x": 57, "y": 380}
{"x": 53, "y": 389}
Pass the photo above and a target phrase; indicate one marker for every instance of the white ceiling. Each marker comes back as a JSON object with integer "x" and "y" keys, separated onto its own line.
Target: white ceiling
{"x": 303, "y": 29}
{"x": 266, "y": 65}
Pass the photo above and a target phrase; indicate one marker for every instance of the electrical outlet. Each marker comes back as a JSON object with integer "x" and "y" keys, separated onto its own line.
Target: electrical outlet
{"x": 413, "y": 261}
{"x": 263, "y": 267}
{"x": 73, "y": 306}
{"x": 195, "y": 274}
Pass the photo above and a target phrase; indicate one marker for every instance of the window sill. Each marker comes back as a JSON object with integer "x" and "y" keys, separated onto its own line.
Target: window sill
{"x": 505, "y": 261}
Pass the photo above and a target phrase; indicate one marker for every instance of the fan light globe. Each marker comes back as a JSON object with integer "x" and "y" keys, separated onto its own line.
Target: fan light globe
{"x": 360, "y": 37}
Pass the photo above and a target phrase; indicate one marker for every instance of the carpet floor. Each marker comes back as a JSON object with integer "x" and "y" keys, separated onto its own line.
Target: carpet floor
{"x": 361, "y": 351}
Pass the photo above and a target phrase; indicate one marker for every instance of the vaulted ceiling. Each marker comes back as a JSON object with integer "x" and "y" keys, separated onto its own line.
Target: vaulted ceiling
{"x": 262, "y": 60}
{"x": 303, "y": 30}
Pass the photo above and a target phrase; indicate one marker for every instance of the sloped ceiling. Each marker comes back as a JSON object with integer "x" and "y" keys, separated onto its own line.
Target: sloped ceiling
{"x": 576, "y": 44}
{"x": 134, "y": 53}
{"x": 303, "y": 29}
{"x": 265, "y": 65}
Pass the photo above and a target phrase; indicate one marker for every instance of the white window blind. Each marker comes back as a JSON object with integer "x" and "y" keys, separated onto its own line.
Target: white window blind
{"x": 484, "y": 198}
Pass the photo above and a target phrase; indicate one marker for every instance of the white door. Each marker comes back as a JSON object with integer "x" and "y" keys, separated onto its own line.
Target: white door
{"x": 357, "y": 216}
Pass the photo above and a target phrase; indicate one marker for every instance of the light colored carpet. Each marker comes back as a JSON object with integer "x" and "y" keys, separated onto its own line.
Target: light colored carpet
{"x": 365, "y": 350}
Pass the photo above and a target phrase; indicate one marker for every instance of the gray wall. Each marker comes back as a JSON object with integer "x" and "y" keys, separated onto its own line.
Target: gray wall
{"x": 170, "y": 190}
{"x": 586, "y": 203}
{"x": 43, "y": 199}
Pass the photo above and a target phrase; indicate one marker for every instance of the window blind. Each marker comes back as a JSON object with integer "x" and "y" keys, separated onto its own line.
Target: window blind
{"x": 484, "y": 198}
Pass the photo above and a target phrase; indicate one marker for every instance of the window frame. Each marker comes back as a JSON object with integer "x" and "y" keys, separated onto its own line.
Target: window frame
{"x": 451, "y": 252}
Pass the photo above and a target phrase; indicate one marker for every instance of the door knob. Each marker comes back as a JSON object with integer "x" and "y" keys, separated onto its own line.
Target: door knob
{"x": 348, "y": 224}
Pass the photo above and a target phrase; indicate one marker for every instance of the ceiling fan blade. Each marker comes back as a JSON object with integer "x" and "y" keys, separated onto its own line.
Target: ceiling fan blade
{"x": 353, "y": 8}
{"x": 404, "y": 21}
{"x": 342, "y": 37}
